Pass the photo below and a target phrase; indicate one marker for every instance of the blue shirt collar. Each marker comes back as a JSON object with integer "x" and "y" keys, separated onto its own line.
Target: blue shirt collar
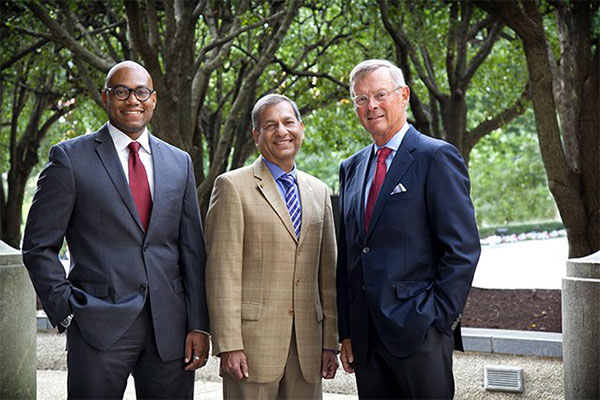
{"x": 276, "y": 171}
{"x": 396, "y": 140}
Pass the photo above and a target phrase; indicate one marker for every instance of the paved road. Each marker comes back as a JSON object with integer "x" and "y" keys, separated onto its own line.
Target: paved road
{"x": 530, "y": 264}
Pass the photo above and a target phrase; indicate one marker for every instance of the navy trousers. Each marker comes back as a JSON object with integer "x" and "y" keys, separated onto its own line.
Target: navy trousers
{"x": 425, "y": 374}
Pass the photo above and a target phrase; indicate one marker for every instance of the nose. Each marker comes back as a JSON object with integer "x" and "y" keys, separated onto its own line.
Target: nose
{"x": 280, "y": 129}
{"x": 372, "y": 104}
{"x": 132, "y": 99}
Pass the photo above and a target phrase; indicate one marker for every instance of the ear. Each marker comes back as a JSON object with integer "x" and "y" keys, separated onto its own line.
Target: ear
{"x": 405, "y": 91}
{"x": 256, "y": 136}
{"x": 104, "y": 96}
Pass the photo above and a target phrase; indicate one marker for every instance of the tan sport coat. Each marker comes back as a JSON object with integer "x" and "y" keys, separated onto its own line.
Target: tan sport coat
{"x": 261, "y": 281}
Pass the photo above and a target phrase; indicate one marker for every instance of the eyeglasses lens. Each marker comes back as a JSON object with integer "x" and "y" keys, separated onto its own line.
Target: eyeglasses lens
{"x": 122, "y": 93}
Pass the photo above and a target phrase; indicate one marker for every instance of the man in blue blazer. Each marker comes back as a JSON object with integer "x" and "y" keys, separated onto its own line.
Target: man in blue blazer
{"x": 408, "y": 247}
{"x": 133, "y": 301}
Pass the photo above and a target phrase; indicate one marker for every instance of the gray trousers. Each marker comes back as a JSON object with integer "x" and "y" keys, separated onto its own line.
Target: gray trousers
{"x": 103, "y": 374}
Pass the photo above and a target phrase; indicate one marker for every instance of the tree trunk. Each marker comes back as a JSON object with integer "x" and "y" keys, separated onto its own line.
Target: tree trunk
{"x": 569, "y": 140}
{"x": 14, "y": 216}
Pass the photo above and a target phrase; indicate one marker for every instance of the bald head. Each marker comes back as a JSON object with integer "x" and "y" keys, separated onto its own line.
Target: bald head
{"x": 130, "y": 65}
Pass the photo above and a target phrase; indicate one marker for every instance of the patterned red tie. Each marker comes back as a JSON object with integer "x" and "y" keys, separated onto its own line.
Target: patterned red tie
{"x": 138, "y": 182}
{"x": 380, "y": 171}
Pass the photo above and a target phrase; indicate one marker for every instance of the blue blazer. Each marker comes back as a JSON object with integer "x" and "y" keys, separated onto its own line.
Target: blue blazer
{"x": 414, "y": 267}
{"x": 83, "y": 195}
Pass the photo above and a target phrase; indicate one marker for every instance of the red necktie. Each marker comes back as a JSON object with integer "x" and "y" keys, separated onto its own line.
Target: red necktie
{"x": 138, "y": 182}
{"x": 380, "y": 171}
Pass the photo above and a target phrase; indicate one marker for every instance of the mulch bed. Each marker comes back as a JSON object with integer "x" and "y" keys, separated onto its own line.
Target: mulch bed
{"x": 515, "y": 309}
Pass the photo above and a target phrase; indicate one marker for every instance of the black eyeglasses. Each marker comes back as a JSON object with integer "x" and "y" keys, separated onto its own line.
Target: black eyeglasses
{"x": 142, "y": 93}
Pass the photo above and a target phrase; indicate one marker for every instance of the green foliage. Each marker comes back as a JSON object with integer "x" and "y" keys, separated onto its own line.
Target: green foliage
{"x": 312, "y": 66}
{"x": 507, "y": 175}
{"x": 330, "y": 136}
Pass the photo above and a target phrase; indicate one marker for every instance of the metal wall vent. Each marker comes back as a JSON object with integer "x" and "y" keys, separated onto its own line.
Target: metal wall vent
{"x": 498, "y": 377}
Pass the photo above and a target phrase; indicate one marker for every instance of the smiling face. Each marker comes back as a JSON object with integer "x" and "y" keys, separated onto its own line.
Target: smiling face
{"x": 382, "y": 120}
{"x": 131, "y": 115}
{"x": 280, "y": 135}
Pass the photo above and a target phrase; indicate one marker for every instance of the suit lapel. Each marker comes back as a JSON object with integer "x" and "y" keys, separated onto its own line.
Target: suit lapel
{"x": 400, "y": 164}
{"x": 160, "y": 171}
{"x": 267, "y": 186}
{"x": 110, "y": 160}
{"x": 306, "y": 195}
{"x": 361, "y": 174}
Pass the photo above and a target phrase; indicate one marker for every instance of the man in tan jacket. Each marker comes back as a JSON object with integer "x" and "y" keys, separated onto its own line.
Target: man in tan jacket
{"x": 271, "y": 267}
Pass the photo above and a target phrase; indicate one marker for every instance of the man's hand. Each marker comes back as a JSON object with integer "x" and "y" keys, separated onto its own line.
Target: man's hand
{"x": 235, "y": 364}
{"x": 196, "y": 350}
{"x": 347, "y": 356}
{"x": 329, "y": 364}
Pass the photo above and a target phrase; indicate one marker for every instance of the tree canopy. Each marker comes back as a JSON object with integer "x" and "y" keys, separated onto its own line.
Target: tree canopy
{"x": 470, "y": 66}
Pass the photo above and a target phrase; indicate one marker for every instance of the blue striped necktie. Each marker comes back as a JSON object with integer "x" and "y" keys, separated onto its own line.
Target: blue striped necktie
{"x": 292, "y": 202}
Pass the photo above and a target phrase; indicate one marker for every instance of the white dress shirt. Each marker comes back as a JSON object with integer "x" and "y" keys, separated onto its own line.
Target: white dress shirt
{"x": 121, "y": 141}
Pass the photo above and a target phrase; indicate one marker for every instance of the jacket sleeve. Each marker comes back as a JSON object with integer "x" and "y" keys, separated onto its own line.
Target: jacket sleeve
{"x": 454, "y": 233}
{"x": 225, "y": 239}
{"x": 45, "y": 230}
{"x": 192, "y": 256}
{"x": 342, "y": 267}
{"x": 327, "y": 277}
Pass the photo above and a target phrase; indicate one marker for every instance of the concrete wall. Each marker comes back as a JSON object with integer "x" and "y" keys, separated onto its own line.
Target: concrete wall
{"x": 17, "y": 328}
{"x": 581, "y": 328}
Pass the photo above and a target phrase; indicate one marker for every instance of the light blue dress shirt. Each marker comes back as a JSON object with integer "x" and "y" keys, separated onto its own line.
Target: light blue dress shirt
{"x": 276, "y": 171}
{"x": 394, "y": 143}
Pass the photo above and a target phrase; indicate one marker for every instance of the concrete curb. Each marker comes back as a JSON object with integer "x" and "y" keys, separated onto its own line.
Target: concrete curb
{"x": 526, "y": 343}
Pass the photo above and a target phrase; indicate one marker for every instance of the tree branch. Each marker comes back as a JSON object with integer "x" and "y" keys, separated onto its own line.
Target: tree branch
{"x": 483, "y": 52}
{"x": 499, "y": 120}
{"x": 230, "y": 36}
{"x": 23, "y": 53}
{"x": 66, "y": 39}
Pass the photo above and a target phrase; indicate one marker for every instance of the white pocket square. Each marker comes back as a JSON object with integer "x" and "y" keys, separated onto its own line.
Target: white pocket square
{"x": 398, "y": 189}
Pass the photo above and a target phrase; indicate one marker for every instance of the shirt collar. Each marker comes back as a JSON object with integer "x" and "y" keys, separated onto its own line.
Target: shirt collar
{"x": 121, "y": 140}
{"x": 396, "y": 140}
{"x": 276, "y": 171}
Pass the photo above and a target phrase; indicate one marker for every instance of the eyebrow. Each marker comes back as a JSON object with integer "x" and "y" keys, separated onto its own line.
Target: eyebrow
{"x": 375, "y": 91}
{"x": 285, "y": 118}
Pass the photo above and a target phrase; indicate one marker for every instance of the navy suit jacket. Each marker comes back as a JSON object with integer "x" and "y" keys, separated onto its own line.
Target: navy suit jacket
{"x": 83, "y": 195}
{"x": 414, "y": 267}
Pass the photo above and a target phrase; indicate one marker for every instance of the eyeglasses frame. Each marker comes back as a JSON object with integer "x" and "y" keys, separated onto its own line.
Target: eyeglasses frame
{"x": 369, "y": 97}
{"x": 112, "y": 89}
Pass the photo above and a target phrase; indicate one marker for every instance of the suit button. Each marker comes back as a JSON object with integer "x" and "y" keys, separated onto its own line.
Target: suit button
{"x": 143, "y": 288}
{"x": 291, "y": 311}
{"x": 297, "y": 282}
{"x": 145, "y": 247}
{"x": 366, "y": 250}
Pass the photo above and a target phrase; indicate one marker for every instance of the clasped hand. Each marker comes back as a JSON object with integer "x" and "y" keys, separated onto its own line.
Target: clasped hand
{"x": 235, "y": 363}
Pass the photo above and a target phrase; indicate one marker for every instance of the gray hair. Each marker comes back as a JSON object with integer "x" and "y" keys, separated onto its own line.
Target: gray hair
{"x": 368, "y": 66}
{"x": 271, "y": 100}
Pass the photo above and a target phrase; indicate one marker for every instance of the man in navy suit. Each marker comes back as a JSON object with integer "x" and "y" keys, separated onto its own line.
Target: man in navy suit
{"x": 134, "y": 299}
{"x": 408, "y": 247}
